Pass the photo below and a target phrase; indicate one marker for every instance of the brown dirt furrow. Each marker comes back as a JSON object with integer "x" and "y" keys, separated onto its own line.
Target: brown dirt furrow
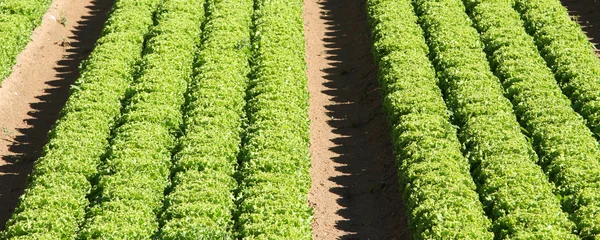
{"x": 587, "y": 14}
{"x": 355, "y": 187}
{"x": 33, "y": 95}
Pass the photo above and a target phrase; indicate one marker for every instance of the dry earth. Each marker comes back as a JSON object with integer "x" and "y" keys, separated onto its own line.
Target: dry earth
{"x": 585, "y": 12}
{"x": 355, "y": 186}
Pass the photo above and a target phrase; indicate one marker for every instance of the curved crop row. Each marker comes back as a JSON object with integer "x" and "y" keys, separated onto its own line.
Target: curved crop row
{"x": 133, "y": 179}
{"x": 54, "y": 202}
{"x": 513, "y": 188}
{"x": 567, "y": 51}
{"x": 18, "y": 18}
{"x": 201, "y": 203}
{"x": 567, "y": 148}
{"x": 275, "y": 160}
{"x": 438, "y": 189}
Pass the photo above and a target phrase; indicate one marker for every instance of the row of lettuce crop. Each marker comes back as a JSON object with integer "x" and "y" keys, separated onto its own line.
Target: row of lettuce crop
{"x": 18, "y": 18}
{"x": 133, "y": 157}
{"x": 438, "y": 190}
{"x": 514, "y": 190}
{"x": 275, "y": 161}
{"x": 223, "y": 181}
{"x": 566, "y": 49}
{"x": 54, "y": 203}
{"x": 201, "y": 200}
{"x": 130, "y": 190}
{"x": 567, "y": 149}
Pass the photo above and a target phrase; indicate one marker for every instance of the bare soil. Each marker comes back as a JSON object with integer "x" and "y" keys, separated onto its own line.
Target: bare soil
{"x": 587, "y": 14}
{"x": 355, "y": 185}
{"x": 33, "y": 95}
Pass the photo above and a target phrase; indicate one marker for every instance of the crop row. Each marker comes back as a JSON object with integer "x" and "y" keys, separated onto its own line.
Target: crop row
{"x": 568, "y": 151}
{"x": 132, "y": 173}
{"x": 136, "y": 172}
{"x": 274, "y": 183}
{"x": 514, "y": 190}
{"x": 54, "y": 203}
{"x": 566, "y": 49}
{"x": 201, "y": 202}
{"x": 18, "y": 18}
{"x": 438, "y": 189}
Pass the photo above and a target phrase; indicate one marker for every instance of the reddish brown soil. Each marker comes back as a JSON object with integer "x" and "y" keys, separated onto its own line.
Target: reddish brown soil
{"x": 32, "y": 96}
{"x": 355, "y": 186}
{"x": 587, "y": 14}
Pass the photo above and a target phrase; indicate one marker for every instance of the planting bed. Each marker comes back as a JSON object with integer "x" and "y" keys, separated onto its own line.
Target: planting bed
{"x": 291, "y": 119}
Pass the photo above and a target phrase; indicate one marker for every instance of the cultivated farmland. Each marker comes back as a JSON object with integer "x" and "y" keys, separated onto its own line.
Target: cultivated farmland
{"x": 299, "y": 119}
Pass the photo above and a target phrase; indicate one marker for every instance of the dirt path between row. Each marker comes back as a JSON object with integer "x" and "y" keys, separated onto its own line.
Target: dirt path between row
{"x": 355, "y": 186}
{"x": 587, "y": 14}
{"x": 33, "y": 95}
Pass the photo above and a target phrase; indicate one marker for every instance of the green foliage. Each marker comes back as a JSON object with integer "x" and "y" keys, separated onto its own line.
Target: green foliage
{"x": 201, "y": 202}
{"x": 514, "y": 190}
{"x": 567, "y": 148}
{"x": 18, "y": 18}
{"x": 137, "y": 169}
{"x": 275, "y": 159}
{"x": 54, "y": 202}
{"x": 567, "y": 51}
{"x": 434, "y": 176}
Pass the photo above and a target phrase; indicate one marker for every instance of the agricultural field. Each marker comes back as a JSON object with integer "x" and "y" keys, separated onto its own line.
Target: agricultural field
{"x": 299, "y": 119}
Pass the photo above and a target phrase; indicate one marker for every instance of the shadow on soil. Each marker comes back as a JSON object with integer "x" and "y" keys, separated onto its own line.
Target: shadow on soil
{"x": 28, "y": 143}
{"x": 373, "y": 207}
{"x": 586, "y": 13}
